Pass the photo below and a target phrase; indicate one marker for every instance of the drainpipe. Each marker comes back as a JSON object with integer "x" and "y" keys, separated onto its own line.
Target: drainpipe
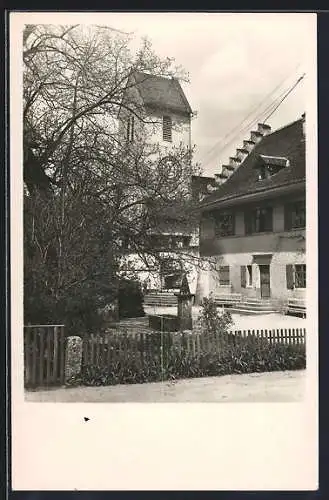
{"x": 190, "y": 132}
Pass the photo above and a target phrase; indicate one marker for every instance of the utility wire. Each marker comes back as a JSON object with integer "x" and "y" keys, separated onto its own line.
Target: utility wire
{"x": 250, "y": 124}
{"x": 271, "y": 109}
{"x": 253, "y": 110}
{"x": 285, "y": 96}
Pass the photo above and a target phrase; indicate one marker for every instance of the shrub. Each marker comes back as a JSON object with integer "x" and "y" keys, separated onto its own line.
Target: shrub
{"x": 210, "y": 320}
{"x": 130, "y": 299}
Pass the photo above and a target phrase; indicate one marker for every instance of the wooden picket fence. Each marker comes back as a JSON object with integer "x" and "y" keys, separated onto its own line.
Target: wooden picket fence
{"x": 105, "y": 350}
{"x": 44, "y": 355}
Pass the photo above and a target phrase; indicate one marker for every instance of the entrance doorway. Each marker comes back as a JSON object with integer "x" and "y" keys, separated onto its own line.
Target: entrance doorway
{"x": 265, "y": 287}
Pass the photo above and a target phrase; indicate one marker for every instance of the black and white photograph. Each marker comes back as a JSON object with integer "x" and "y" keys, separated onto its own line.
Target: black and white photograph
{"x": 168, "y": 197}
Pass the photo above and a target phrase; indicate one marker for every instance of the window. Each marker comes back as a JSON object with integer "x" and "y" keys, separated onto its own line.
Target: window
{"x": 224, "y": 275}
{"x": 224, "y": 224}
{"x": 167, "y": 129}
{"x": 270, "y": 165}
{"x": 130, "y": 128}
{"x": 186, "y": 241}
{"x": 300, "y": 276}
{"x": 295, "y": 215}
{"x": 171, "y": 273}
{"x": 266, "y": 171}
{"x": 296, "y": 276}
{"x": 258, "y": 220}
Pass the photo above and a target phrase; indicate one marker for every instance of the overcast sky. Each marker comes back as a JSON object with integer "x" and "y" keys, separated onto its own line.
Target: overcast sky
{"x": 234, "y": 62}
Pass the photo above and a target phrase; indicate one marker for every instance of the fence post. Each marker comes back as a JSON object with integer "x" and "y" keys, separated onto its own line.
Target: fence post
{"x": 73, "y": 359}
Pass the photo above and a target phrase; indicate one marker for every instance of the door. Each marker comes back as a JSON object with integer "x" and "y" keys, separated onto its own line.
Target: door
{"x": 265, "y": 288}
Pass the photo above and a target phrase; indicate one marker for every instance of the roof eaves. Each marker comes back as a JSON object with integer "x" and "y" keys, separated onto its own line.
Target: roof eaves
{"x": 246, "y": 193}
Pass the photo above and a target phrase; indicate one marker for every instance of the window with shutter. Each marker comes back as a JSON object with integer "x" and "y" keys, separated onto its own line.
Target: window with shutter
{"x": 290, "y": 276}
{"x": 300, "y": 276}
{"x": 224, "y": 224}
{"x": 243, "y": 277}
{"x": 167, "y": 128}
{"x": 224, "y": 275}
{"x": 295, "y": 215}
{"x": 259, "y": 220}
{"x": 130, "y": 128}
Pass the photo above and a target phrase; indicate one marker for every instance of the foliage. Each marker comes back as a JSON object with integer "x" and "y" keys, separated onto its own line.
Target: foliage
{"x": 237, "y": 355}
{"x": 87, "y": 191}
{"x": 130, "y": 299}
{"x": 210, "y": 320}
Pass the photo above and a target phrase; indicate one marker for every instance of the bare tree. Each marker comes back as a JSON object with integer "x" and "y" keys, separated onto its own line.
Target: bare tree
{"x": 88, "y": 192}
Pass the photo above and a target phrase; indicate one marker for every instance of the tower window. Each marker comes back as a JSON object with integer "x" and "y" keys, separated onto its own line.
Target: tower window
{"x": 167, "y": 128}
{"x": 130, "y": 128}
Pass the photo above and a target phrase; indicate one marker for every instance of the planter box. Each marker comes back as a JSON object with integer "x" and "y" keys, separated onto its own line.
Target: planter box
{"x": 163, "y": 322}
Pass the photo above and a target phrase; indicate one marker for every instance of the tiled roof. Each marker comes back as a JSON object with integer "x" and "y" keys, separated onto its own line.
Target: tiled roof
{"x": 287, "y": 142}
{"x": 161, "y": 92}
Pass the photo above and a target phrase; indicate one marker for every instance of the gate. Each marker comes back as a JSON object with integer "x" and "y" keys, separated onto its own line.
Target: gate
{"x": 44, "y": 355}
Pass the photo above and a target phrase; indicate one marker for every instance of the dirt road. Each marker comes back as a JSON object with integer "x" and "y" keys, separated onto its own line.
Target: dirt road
{"x": 258, "y": 387}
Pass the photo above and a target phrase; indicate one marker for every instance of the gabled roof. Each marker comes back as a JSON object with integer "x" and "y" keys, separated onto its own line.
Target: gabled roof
{"x": 288, "y": 143}
{"x": 162, "y": 92}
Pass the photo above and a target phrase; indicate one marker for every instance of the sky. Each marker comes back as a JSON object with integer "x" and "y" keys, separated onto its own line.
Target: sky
{"x": 234, "y": 61}
{"x": 239, "y": 65}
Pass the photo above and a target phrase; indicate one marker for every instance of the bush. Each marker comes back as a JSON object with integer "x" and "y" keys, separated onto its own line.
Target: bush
{"x": 210, "y": 320}
{"x": 78, "y": 309}
{"x": 130, "y": 299}
{"x": 237, "y": 355}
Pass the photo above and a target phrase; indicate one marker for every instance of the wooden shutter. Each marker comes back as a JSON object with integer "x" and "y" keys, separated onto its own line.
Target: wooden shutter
{"x": 247, "y": 222}
{"x": 287, "y": 217}
{"x": 128, "y": 129}
{"x": 243, "y": 277}
{"x": 166, "y": 128}
{"x": 290, "y": 276}
{"x": 132, "y": 129}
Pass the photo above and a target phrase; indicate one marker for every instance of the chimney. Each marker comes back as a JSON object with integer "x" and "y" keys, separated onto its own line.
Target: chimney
{"x": 264, "y": 129}
{"x": 248, "y": 145}
{"x": 242, "y": 153}
{"x": 255, "y": 136}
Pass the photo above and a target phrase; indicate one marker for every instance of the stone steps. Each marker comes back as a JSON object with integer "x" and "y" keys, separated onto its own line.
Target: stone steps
{"x": 249, "y": 311}
{"x": 250, "y": 306}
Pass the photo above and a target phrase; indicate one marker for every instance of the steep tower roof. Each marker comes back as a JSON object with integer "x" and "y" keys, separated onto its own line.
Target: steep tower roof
{"x": 162, "y": 93}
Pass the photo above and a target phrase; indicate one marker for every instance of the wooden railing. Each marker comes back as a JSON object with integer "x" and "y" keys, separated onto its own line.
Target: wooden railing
{"x": 44, "y": 355}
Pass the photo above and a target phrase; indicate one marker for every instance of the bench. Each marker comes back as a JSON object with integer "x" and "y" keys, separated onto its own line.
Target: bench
{"x": 296, "y": 306}
{"x": 230, "y": 299}
{"x": 160, "y": 299}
